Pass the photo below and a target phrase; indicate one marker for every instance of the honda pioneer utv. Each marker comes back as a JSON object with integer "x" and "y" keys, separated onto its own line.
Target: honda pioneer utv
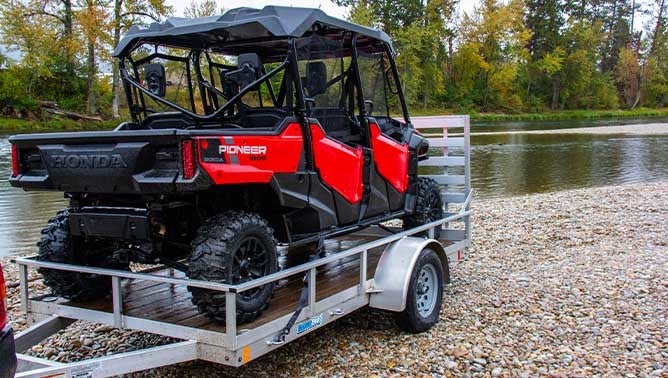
{"x": 249, "y": 130}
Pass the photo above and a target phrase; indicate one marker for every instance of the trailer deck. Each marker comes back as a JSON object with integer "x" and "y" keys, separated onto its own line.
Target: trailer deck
{"x": 349, "y": 276}
{"x": 170, "y": 303}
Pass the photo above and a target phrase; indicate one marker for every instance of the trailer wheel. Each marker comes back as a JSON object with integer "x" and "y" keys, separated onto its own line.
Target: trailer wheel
{"x": 425, "y": 294}
{"x": 428, "y": 206}
{"x": 57, "y": 245}
{"x": 233, "y": 247}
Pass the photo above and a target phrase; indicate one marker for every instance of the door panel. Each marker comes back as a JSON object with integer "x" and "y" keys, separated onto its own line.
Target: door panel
{"x": 340, "y": 166}
{"x": 391, "y": 158}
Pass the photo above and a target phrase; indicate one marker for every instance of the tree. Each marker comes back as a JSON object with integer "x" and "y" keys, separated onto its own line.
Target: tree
{"x": 627, "y": 76}
{"x": 419, "y": 30}
{"x": 203, "y": 8}
{"x": 40, "y": 30}
{"x": 498, "y": 33}
{"x": 545, "y": 20}
{"x": 93, "y": 19}
{"x": 125, "y": 14}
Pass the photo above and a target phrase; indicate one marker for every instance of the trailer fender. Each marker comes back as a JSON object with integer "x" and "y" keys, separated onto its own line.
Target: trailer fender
{"x": 389, "y": 287}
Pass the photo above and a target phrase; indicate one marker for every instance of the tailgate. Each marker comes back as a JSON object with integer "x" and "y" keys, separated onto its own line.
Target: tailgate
{"x": 98, "y": 162}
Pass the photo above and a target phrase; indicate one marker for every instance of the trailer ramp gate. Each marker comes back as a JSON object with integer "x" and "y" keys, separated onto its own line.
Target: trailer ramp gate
{"x": 349, "y": 277}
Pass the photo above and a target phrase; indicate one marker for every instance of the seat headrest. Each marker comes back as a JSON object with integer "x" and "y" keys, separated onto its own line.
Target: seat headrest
{"x": 251, "y": 59}
{"x": 316, "y": 78}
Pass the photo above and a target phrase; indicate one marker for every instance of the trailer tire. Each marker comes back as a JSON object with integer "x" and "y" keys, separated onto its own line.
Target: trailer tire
{"x": 428, "y": 206}
{"x": 425, "y": 294}
{"x": 57, "y": 245}
{"x": 218, "y": 254}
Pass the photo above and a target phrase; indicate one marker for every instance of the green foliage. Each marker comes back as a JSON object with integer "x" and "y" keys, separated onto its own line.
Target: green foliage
{"x": 13, "y": 125}
{"x": 505, "y": 56}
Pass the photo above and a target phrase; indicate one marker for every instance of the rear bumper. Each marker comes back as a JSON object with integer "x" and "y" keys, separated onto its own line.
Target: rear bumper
{"x": 130, "y": 225}
{"x": 7, "y": 353}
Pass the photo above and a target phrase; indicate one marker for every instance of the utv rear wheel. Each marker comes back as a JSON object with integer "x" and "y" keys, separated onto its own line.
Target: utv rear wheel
{"x": 428, "y": 207}
{"x": 233, "y": 247}
{"x": 58, "y": 246}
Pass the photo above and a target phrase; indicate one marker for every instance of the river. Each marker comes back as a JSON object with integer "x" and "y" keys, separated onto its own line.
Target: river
{"x": 502, "y": 165}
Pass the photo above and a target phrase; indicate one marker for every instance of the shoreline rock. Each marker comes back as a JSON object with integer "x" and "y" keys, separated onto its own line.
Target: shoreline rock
{"x": 568, "y": 283}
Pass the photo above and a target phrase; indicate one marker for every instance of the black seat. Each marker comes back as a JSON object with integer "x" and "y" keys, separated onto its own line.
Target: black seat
{"x": 167, "y": 120}
{"x": 336, "y": 123}
{"x": 316, "y": 78}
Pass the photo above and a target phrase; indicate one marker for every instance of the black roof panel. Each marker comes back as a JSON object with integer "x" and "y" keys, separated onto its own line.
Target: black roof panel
{"x": 238, "y": 25}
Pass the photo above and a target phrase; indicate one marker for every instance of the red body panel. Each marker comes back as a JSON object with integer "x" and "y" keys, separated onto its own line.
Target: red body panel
{"x": 391, "y": 158}
{"x": 250, "y": 158}
{"x": 340, "y": 166}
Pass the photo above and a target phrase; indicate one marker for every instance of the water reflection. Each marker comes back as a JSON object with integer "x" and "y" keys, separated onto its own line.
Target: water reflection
{"x": 564, "y": 124}
{"x": 514, "y": 164}
{"x": 22, "y": 214}
{"x": 503, "y": 165}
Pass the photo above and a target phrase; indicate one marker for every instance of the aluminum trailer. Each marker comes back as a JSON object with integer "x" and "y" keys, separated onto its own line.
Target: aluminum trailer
{"x": 371, "y": 267}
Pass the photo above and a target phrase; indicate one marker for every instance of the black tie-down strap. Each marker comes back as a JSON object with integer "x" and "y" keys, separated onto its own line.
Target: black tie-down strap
{"x": 303, "y": 298}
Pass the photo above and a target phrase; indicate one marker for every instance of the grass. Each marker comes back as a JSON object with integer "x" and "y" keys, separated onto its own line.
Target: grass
{"x": 14, "y": 126}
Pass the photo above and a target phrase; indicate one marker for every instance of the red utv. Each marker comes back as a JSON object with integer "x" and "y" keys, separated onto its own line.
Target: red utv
{"x": 249, "y": 130}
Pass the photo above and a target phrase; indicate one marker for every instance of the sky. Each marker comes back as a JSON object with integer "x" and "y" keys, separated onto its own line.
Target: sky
{"x": 327, "y": 6}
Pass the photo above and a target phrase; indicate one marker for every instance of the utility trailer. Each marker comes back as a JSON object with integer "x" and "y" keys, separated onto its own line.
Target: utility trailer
{"x": 370, "y": 267}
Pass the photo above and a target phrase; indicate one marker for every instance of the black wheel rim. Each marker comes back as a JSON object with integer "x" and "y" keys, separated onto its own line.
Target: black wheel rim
{"x": 251, "y": 261}
{"x": 432, "y": 209}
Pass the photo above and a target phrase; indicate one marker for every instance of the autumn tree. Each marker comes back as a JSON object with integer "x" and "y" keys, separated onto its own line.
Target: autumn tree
{"x": 419, "y": 31}
{"x": 125, "y": 14}
{"x": 627, "y": 76}
{"x": 546, "y": 50}
{"x": 93, "y": 21}
{"x": 203, "y": 8}
{"x": 43, "y": 34}
{"x": 495, "y": 32}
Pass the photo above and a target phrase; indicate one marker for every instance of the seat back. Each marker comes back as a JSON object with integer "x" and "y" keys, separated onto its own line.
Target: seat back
{"x": 316, "y": 78}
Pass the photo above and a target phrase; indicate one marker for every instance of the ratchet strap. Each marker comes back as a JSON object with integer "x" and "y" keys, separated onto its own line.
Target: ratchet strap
{"x": 303, "y": 299}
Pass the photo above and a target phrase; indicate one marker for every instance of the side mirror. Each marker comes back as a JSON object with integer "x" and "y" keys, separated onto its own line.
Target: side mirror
{"x": 391, "y": 83}
{"x": 155, "y": 79}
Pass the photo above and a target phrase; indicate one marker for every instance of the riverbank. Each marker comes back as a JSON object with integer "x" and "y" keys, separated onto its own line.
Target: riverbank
{"x": 555, "y": 284}
{"x": 16, "y": 126}
{"x": 643, "y": 129}
{"x": 13, "y": 125}
{"x": 549, "y": 115}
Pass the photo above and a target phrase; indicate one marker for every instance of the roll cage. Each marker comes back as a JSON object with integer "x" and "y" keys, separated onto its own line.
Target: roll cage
{"x": 217, "y": 103}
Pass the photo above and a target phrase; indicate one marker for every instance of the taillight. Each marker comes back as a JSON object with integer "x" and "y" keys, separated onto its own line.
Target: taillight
{"x": 3, "y": 301}
{"x": 15, "y": 161}
{"x": 188, "y": 158}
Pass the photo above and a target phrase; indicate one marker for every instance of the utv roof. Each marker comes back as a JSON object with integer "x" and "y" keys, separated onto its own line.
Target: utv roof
{"x": 242, "y": 24}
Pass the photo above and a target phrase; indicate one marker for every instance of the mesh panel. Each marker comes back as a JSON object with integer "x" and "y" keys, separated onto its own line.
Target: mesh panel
{"x": 372, "y": 68}
{"x": 322, "y": 68}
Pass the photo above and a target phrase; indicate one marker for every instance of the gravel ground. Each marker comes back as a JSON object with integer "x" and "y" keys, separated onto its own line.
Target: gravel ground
{"x": 644, "y": 129}
{"x": 570, "y": 283}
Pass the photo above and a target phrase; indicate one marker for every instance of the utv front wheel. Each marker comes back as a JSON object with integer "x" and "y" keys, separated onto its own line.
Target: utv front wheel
{"x": 233, "y": 247}
{"x": 58, "y": 246}
{"x": 428, "y": 206}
